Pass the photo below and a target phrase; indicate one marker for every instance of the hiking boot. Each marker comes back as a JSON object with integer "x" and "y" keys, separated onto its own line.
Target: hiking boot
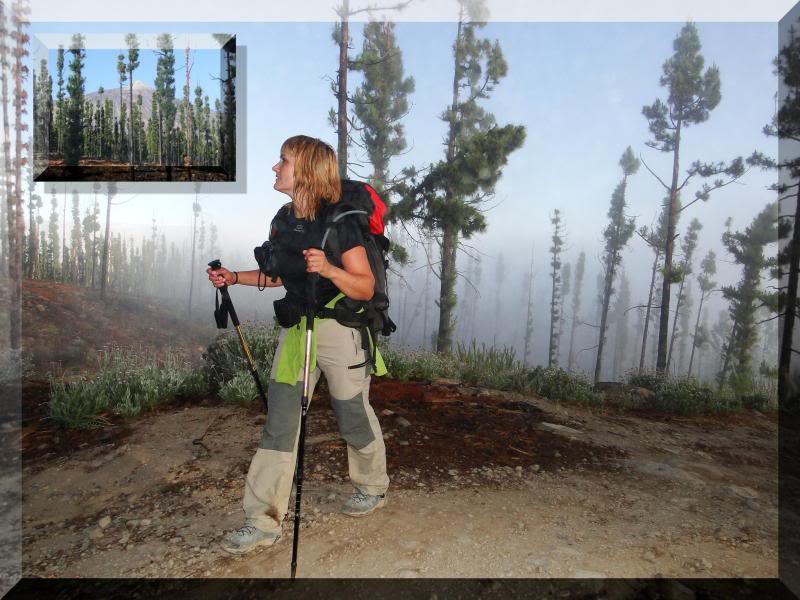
{"x": 247, "y": 538}
{"x": 360, "y": 504}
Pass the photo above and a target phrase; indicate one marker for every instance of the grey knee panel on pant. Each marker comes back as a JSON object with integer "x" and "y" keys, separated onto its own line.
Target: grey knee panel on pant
{"x": 283, "y": 417}
{"x": 353, "y": 421}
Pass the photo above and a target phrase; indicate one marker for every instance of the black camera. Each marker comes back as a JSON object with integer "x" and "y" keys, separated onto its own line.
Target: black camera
{"x": 265, "y": 257}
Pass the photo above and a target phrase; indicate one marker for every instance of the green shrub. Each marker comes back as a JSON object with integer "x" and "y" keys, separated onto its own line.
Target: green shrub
{"x": 725, "y": 401}
{"x": 560, "y": 386}
{"x": 414, "y": 365}
{"x": 241, "y": 389}
{"x": 648, "y": 379}
{"x": 683, "y": 395}
{"x": 77, "y": 406}
{"x": 679, "y": 395}
{"x": 225, "y": 360}
{"x": 128, "y": 381}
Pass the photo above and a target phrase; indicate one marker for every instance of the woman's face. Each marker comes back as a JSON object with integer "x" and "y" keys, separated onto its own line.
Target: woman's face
{"x": 284, "y": 174}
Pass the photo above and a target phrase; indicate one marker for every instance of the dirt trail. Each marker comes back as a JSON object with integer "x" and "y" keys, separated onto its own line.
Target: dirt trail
{"x": 484, "y": 484}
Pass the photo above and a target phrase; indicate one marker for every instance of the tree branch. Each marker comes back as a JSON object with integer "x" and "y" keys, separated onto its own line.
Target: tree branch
{"x": 652, "y": 173}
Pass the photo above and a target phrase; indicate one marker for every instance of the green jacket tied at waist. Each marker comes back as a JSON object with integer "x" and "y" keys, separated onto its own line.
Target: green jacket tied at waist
{"x": 290, "y": 362}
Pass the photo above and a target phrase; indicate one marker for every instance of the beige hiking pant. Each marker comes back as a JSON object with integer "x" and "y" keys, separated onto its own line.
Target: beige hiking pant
{"x": 269, "y": 479}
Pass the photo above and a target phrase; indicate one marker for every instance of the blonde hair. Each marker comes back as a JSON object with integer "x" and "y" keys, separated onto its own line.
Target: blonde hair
{"x": 316, "y": 174}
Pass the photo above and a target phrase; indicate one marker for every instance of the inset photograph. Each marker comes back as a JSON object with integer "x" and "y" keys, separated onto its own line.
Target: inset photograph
{"x": 135, "y": 107}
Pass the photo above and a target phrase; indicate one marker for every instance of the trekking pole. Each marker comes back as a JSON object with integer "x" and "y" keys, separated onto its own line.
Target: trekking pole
{"x": 310, "y": 305}
{"x": 221, "y": 315}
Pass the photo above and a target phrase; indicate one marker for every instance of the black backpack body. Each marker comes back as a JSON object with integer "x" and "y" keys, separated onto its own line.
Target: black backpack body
{"x": 361, "y": 202}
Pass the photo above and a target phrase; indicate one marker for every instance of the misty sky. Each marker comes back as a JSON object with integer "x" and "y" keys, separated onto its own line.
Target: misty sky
{"x": 577, "y": 87}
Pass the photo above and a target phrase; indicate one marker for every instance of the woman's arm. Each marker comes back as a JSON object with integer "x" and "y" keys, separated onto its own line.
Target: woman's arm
{"x": 223, "y": 276}
{"x": 355, "y": 280}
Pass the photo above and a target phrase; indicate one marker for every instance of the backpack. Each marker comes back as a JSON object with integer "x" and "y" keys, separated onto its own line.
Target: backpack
{"x": 360, "y": 201}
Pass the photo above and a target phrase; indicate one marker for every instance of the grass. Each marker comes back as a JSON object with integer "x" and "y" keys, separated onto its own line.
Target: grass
{"x": 128, "y": 382}
{"x": 689, "y": 396}
{"x": 493, "y": 368}
{"x": 500, "y": 369}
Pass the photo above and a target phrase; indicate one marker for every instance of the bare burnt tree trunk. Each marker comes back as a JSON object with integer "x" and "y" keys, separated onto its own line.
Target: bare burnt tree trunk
{"x": 726, "y": 360}
{"x": 663, "y": 322}
{"x": 678, "y": 303}
{"x": 694, "y": 339}
{"x": 647, "y": 312}
{"x": 106, "y": 246}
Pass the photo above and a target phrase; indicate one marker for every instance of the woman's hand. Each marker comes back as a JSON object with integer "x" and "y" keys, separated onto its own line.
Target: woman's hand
{"x": 220, "y": 277}
{"x": 316, "y": 262}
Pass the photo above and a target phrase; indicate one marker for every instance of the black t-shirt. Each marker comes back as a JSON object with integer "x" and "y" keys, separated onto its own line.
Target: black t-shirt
{"x": 290, "y": 236}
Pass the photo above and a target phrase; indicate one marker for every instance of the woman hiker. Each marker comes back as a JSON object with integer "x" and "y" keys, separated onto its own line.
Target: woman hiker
{"x": 307, "y": 173}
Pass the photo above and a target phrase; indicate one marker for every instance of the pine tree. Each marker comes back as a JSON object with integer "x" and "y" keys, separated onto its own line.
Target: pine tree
{"x": 110, "y": 133}
{"x": 688, "y": 246}
{"x": 227, "y": 117}
{"x": 73, "y": 138}
{"x": 693, "y": 94}
{"x": 99, "y": 121}
{"x": 529, "y": 316}
{"x": 15, "y": 212}
{"x": 555, "y": 276}
{"x": 380, "y": 104}
{"x": 708, "y": 268}
{"x": 477, "y": 271}
{"x": 747, "y": 249}
{"x": 208, "y": 137}
{"x": 43, "y": 111}
{"x": 576, "y": 307}
{"x": 76, "y": 248}
{"x": 786, "y": 127}
{"x": 196, "y": 210}
{"x": 617, "y": 234}
{"x": 111, "y": 190}
{"x": 139, "y": 130}
{"x": 94, "y": 226}
{"x": 683, "y": 342}
{"x": 54, "y": 243}
{"x": 153, "y": 135}
{"x": 198, "y": 147}
{"x": 654, "y": 238}
{"x": 122, "y": 73}
{"x": 187, "y": 121}
{"x": 499, "y": 287}
{"x": 381, "y": 101}
{"x": 165, "y": 94}
{"x": 32, "y": 266}
{"x": 620, "y": 312}
{"x": 88, "y": 129}
{"x": 61, "y": 113}
{"x": 133, "y": 63}
{"x": 446, "y": 201}
{"x": 566, "y": 282}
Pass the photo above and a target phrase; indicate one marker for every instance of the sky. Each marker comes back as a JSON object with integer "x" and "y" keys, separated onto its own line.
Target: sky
{"x": 577, "y": 87}
{"x": 100, "y": 64}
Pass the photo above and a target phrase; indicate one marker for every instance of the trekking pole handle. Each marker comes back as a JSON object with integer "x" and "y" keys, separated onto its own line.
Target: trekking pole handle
{"x": 216, "y": 264}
